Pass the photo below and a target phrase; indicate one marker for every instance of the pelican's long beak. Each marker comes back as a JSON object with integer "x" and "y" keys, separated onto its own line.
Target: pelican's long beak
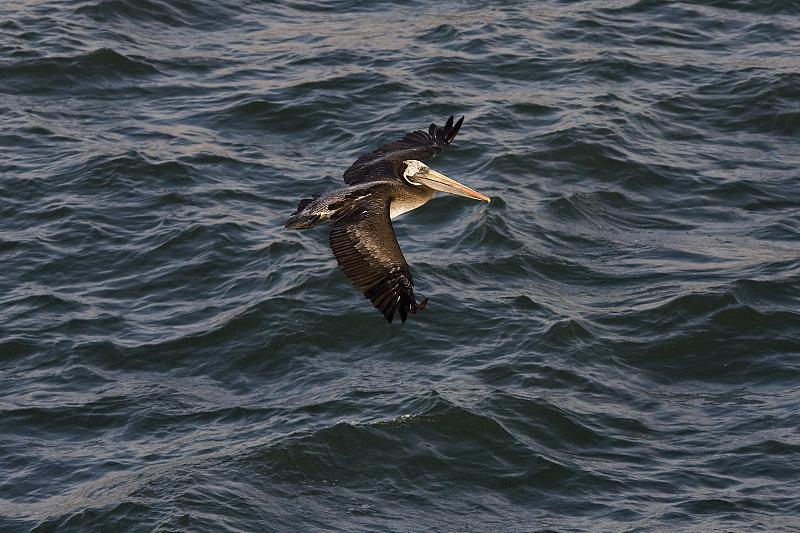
{"x": 440, "y": 182}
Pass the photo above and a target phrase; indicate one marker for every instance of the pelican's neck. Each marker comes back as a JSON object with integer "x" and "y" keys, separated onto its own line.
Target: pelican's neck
{"x": 409, "y": 198}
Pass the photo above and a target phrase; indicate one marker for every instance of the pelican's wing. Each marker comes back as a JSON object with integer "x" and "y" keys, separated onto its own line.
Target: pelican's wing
{"x": 420, "y": 145}
{"x": 366, "y": 248}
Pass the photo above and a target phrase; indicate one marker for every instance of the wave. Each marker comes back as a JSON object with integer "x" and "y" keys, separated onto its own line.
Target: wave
{"x": 610, "y": 344}
{"x": 100, "y": 67}
{"x": 175, "y": 13}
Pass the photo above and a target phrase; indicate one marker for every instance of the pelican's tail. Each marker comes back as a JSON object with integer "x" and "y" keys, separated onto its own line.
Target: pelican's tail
{"x": 303, "y": 218}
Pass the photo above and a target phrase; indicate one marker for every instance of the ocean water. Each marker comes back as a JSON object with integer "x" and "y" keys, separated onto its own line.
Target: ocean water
{"x": 613, "y": 344}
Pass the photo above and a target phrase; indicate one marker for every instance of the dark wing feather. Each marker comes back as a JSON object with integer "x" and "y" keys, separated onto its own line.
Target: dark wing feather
{"x": 366, "y": 248}
{"x": 420, "y": 145}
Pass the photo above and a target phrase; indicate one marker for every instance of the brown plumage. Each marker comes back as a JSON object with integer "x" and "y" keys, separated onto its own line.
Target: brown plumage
{"x": 382, "y": 184}
{"x": 373, "y": 262}
{"x": 420, "y": 145}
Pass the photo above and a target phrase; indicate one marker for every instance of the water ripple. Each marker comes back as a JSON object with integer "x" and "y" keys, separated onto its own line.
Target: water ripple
{"x": 611, "y": 344}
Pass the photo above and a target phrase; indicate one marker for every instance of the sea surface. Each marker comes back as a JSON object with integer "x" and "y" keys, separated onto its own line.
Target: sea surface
{"x": 613, "y": 344}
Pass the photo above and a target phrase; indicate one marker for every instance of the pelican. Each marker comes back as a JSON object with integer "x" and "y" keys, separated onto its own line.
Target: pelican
{"x": 382, "y": 185}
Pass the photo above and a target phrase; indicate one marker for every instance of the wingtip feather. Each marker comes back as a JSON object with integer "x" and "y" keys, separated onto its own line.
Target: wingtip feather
{"x": 454, "y": 129}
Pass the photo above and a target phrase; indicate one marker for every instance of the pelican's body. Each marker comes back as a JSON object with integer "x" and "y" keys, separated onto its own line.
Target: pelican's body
{"x": 325, "y": 206}
{"x": 381, "y": 186}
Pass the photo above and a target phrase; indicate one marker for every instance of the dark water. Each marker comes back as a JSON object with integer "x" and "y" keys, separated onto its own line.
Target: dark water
{"x": 613, "y": 344}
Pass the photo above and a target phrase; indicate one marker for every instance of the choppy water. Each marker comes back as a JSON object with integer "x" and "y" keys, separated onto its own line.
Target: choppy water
{"x": 613, "y": 344}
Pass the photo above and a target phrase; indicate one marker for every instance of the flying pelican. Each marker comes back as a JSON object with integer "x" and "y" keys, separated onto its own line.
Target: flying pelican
{"x": 382, "y": 185}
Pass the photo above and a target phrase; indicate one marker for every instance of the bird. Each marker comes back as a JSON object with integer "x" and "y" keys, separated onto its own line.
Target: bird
{"x": 380, "y": 186}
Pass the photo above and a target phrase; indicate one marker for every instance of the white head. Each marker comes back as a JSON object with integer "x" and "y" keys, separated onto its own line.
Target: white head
{"x": 418, "y": 174}
{"x": 413, "y": 167}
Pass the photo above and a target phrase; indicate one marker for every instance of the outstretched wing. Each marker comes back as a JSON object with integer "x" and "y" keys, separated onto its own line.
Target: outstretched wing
{"x": 366, "y": 248}
{"x": 420, "y": 145}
